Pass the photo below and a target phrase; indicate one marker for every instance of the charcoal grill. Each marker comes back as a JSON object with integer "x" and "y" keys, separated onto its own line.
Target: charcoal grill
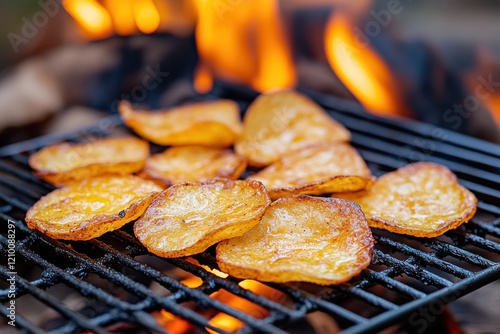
{"x": 407, "y": 274}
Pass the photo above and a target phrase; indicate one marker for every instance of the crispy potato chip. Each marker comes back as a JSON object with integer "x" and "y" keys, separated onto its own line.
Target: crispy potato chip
{"x": 278, "y": 123}
{"x": 315, "y": 170}
{"x": 421, "y": 199}
{"x": 187, "y": 218}
{"x": 194, "y": 164}
{"x": 301, "y": 238}
{"x": 92, "y": 207}
{"x": 65, "y": 163}
{"x": 211, "y": 123}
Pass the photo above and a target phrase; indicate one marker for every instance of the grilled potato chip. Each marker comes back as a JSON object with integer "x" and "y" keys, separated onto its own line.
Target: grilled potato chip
{"x": 278, "y": 123}
{"x": 92, "y": 207}
{"x": 422, "y": 199}
{"x": 318, "y": 169}
{"x": 194, "y": 164}
{"x": 301, "y": 238}
{"x": 187, "y": 218}
{"x": 213, "y": 123}
{"x": 65, "y": 163}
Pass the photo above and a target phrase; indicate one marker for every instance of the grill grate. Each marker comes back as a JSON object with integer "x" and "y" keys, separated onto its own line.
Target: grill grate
{"x": 406, "y": 274}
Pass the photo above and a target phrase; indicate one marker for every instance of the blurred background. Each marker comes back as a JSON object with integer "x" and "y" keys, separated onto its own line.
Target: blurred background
{"x": 65, "y": 64}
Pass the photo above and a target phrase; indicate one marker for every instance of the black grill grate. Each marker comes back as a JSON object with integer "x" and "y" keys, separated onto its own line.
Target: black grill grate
{"x": 406, "y": 274}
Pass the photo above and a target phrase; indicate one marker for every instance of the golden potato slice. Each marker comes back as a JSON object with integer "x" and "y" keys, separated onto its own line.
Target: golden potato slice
{"x": 315, "y": 170}
{"x": 187, "y": 218}
{"x": 92, "y": 207}
{"x": 301, "y": 238}
{"x": 194, "y": 164}
{"x": 278, "y": 123}
{"x": 421, "y": 199}
{"x": 65, "y": 163}
{"x": 211, "y": 123}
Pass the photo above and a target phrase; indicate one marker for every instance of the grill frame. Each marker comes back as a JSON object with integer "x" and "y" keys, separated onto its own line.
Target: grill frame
{"x": 477, "y": 164}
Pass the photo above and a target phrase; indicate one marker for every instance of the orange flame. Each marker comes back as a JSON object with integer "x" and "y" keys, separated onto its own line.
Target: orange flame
{"x": 244, "y": 42}
{"x": 91, "y": 16}
{"x": 228, "y": 323}
{"x": 146, "y": 15}
{"x": 174, "y": 324}
{"x": 122, "y": 14}
{"x": 203, "y": 79}
{"x": 362, "y": 71}
{"x": 125, "y": 17}
{"x": 493, "y": 105}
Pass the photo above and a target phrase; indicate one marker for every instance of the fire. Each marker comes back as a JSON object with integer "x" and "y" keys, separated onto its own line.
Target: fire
{"x": 203, "y": 80}
{"x": 222, "y": 320}
{"x": 228, "y": 323}
{"x": 125, "y": 17}
{"x": 362, "y": 71}
{"x": 493, "y": 105}
{"x": 174, "y": 324}
{"x": 146, "y": 15}
{"x": 91, "y": 16}
{"x": 244, "y": 42}
{"x": 122, "y": 15}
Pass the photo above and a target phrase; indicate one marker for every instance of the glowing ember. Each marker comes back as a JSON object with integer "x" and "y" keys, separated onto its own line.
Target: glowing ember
{"x": 203, "y": 80}
{"x": 192, "y": 282}
{"x": 228, "y": 323}
{"x": 173, "y": 324}
{"x": 493, "y": 104}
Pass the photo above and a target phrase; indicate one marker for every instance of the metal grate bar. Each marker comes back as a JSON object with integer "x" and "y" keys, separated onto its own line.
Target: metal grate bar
{"x": 372, "y": 299}
{"x": 488, "y": 207}
{"x": 459, "y": 253}
{"x": 52, "y": 302}
{"x": 393, "y": 284}
{"x": 20, "y": 188}
{"x": 487, "y": 227}
{"x": 366, "y": 129}
{"x": 22, "y": 322}
{"x": 202, "y": 273}
{"x": 393, "y": 163}
{"x": 428, "y": 258}
{"x": 89, "y": 290}
{"x": 337, "y": 310}
{"x": 404, "y": 152}
{"x": 14, "y": 202}
{"x": 91, "y": 132}
{"x": 411, "y": 269}
{"x": 456, "y": 140}
{"x": 24, "y": 175}
{"x": 483, "y": 243}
